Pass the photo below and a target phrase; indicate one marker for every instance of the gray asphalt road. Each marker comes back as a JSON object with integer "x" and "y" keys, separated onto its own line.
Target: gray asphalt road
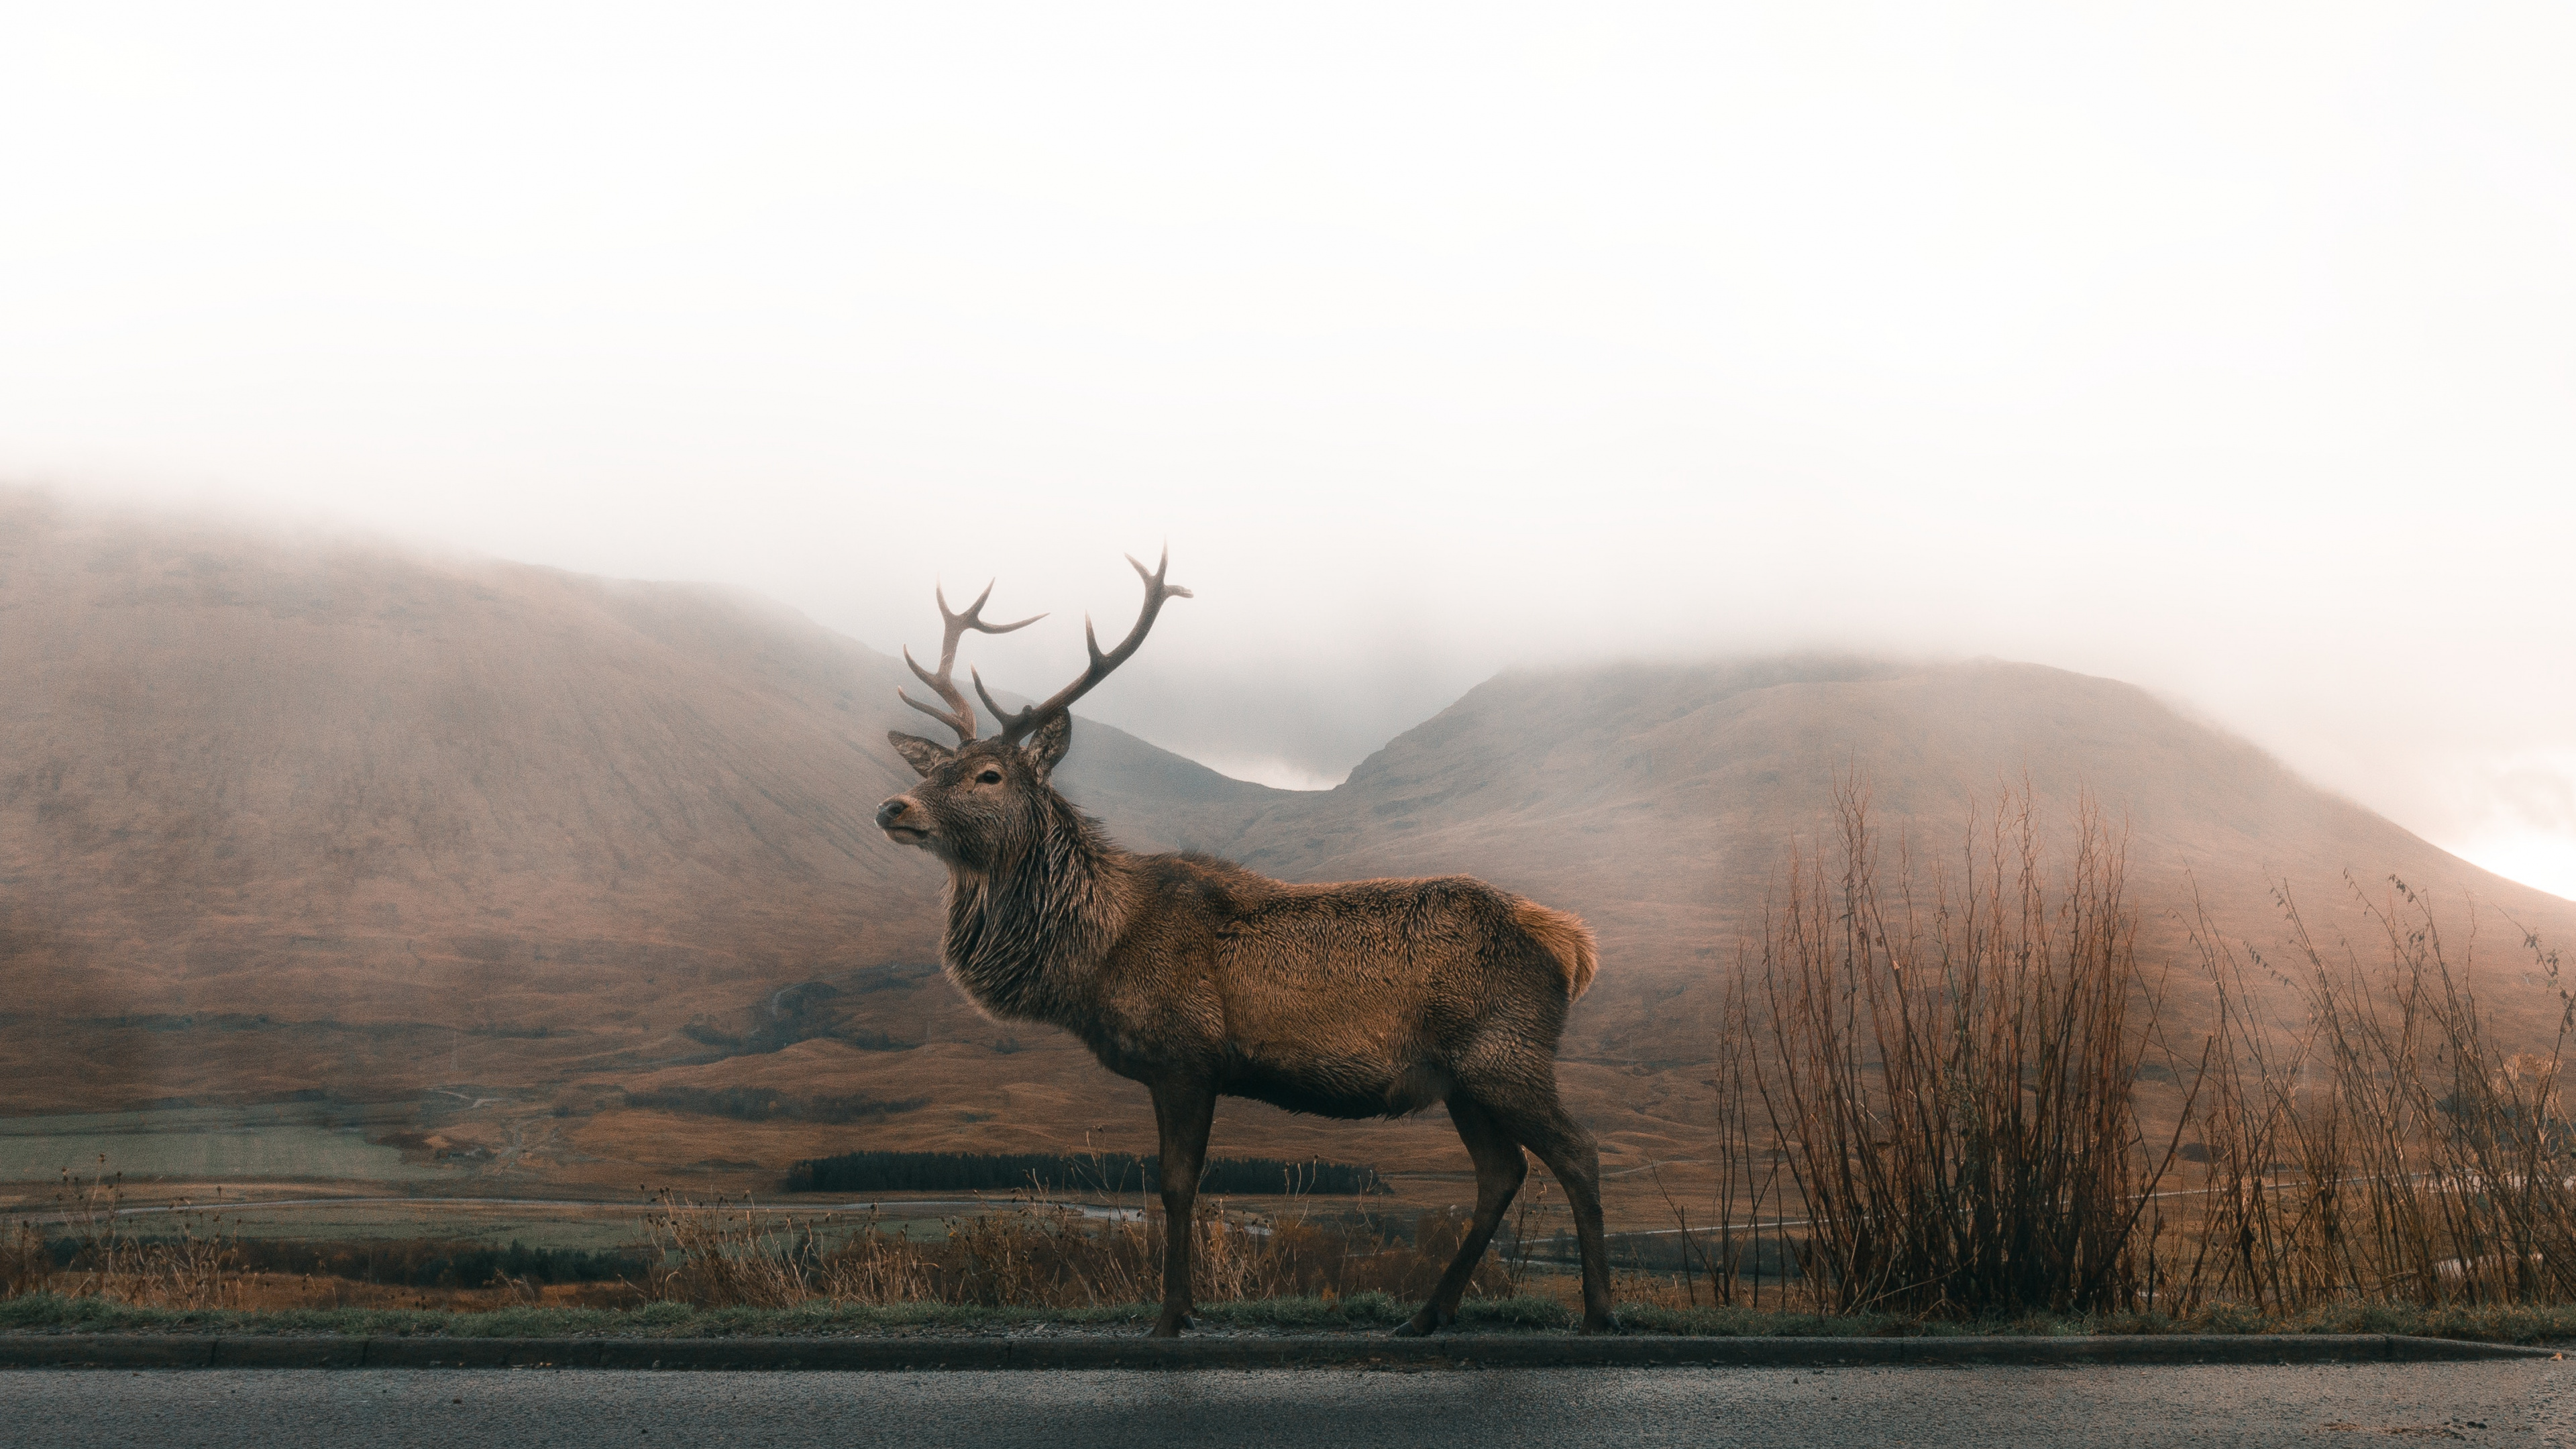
{"x": 2523, "y": 1402}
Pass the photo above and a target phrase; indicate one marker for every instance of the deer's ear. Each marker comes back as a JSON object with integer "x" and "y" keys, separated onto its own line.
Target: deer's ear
{"x": 923, "y": 755}
{"x": 1047, "y": 745}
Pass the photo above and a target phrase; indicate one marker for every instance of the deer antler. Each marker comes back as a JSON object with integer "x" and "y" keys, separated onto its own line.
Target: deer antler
{"x": 1015, "y": 726}
{"x": 960, "y": 715}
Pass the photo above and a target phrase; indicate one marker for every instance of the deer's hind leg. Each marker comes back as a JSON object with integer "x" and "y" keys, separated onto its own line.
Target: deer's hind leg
{"x": 1500, "y": 1170}
{"x": 1536, "y": 1119}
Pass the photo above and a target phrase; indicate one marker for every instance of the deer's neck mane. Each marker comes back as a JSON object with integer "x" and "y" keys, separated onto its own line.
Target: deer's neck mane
{"x": 1026, "y": 934}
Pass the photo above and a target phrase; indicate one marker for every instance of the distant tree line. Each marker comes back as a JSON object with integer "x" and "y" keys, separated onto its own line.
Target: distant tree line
{"x": 1107, "y": 1172}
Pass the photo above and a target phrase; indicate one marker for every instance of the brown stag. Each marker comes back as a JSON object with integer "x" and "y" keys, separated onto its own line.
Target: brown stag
{"x": 1201, "y": 979}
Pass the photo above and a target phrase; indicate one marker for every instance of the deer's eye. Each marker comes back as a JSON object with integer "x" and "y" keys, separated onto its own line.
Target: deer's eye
{"x": 989, "y": 777}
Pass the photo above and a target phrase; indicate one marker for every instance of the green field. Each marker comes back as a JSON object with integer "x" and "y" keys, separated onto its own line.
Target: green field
{"x": 263, "y": 1148}
{"x": 288, "y": 1152}
{"x": 277, "y": 1141}
{"x": 590, "y": 1227}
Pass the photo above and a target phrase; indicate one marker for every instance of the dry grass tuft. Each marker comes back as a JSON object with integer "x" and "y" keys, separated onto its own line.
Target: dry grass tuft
{"x": 1039, "y": 1254}
{"x": 1033, "y": 1253}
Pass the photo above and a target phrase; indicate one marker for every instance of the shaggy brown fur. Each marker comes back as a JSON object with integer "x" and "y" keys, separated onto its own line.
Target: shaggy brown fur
{"x": 1567, "y": 939}
{"x": 1202, "y": 979}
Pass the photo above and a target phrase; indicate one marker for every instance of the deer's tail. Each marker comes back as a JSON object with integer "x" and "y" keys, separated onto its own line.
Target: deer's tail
{"x": 1566, "y": 938}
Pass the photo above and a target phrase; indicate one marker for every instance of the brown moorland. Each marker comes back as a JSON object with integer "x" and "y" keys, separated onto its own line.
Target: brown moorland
{"x": 592, "y": 862}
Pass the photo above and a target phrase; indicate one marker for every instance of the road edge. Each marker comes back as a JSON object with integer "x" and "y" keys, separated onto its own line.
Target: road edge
{"x": 888, "y": 1355}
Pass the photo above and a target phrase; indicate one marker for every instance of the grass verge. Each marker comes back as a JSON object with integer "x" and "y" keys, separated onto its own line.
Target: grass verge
{"x": 1368, "y": 1312}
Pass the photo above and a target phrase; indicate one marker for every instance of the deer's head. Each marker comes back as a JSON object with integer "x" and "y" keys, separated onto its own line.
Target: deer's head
{"x": 983, "y": 801}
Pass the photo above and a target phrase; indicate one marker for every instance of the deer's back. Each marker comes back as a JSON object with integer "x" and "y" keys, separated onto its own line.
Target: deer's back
{"x": 1356, "y": 998}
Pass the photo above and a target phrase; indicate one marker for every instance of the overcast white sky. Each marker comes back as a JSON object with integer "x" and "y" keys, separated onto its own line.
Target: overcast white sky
{"x": 2229, "y": 350}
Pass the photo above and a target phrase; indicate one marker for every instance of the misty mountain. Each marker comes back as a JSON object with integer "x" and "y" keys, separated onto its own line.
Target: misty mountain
{"x": 278, "y": 816}
{"x": 1658, "y": 802}
{"x": 285, "y": 817}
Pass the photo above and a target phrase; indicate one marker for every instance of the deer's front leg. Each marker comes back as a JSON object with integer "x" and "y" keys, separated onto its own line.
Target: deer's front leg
{"x": 1182, "y": 1115}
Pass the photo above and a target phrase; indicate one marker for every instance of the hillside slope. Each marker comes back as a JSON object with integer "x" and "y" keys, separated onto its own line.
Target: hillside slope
{"x": 280, "y": 817}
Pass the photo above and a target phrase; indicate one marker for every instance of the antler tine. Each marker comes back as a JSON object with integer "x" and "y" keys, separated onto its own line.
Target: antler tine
{"x": 1016, "y": 724}
{"x": 960, "y": 715}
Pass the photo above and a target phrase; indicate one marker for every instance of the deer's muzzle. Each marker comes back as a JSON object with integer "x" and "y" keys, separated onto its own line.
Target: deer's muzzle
{"x": 901, "y": 822}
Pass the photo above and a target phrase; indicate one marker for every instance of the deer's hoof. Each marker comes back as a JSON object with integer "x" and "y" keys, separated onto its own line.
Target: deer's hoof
{"x": 1425, "y": 1324}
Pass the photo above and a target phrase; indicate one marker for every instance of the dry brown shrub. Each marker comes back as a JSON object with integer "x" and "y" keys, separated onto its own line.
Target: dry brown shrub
{"x": 2390, "y": 1147}
{"x": 1943, "y": 1066}
{"x": 200, "y": 1268}
{"x": 26, "y": 1265}
{"x": 1927, "y": 1102}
